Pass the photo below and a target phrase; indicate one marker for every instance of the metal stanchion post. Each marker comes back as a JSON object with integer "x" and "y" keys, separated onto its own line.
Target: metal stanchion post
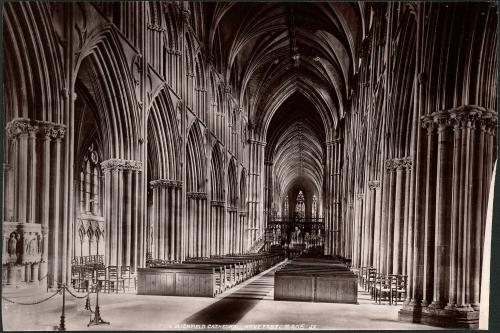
{"x": 62, "y": 324}
{"x": 97, "y": 315}
{"x": 87, "y": 302}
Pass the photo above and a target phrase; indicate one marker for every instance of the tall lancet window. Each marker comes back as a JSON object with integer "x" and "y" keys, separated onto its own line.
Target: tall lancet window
{"x": 300, "y": 207}
{"x": 90, "y": 183}
{"x": 285, "y": 208}
{"x": 89, "y": 226}
{"x": 315, "y": 207}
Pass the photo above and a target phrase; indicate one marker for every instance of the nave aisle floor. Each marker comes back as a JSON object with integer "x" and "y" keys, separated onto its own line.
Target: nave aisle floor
{"x": 247, "y": 306}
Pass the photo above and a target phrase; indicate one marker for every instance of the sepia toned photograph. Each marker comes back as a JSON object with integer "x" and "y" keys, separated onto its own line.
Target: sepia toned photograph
{"x": 179, "y": 165}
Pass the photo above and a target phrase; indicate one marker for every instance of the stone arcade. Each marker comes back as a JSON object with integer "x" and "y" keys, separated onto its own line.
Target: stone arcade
{"x": 175, "y": 134}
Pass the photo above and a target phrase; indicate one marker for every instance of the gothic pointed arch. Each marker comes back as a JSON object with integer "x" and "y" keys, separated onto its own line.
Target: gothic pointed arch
{"x": 102, "y": 71}
{"x": 196, "y": 160}
{"x": 164, "y": 141}
{"x": 243, "y": 191}
{"x": 31, "y": 91}
{"x": 232, "y": 184}
{"x": 217, "y": 174}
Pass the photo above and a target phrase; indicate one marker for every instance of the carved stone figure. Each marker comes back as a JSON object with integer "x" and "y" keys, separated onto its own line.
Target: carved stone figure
{"x": 12, "y": 244}
{"x": 39, "y": 243}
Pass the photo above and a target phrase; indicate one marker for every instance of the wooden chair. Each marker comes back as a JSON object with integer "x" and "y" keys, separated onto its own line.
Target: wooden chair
{"x": 361, "y": 274}
{"x": 76, "y": 271}
{"x": 128, "y": 276}
{"x": 101, "y": 276}
{"x": 400, "y": 288}
{"x": 371, "y": 281}
{"x": 86, "y": 277}
{"x": 114, "y": 282}
{"x": 383, "y": 289}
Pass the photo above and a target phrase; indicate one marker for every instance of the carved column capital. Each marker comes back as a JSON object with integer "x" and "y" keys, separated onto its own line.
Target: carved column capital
{"x": 165, "y": 183}
{"x": 23, "y": 126}
{"x": 422, "y": 78}
{"x": 373, "y": 184}
{"x": 210, "y": 59}
{"x": 442, "y": 120}
{"x": 466, "y": 116}
{"x": 218, "y": 203}
{"x": 389, "y": 164}
{"x": 119, "y": 164}
{"x": 186, "y": 15}
{"x": 54, "y": 131}
{"x": 398, "y": 164}
{"x": 156, "y": 27}
{"x": 407, "y": 162}
{"x": 256, "y": 142}
{"x": 20, "y": 126}
{"x": 428, "y": 123}
{"x": 334, "y": 142}
{"x": 196, "y": 195}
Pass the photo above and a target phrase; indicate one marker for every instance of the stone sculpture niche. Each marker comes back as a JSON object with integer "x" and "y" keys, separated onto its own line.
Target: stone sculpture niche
{"x": 23, "y": 245}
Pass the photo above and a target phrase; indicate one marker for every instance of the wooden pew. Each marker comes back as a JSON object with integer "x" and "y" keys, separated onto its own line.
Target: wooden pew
{"x": 316, "y": 279}
{"x": 206, "y": 277}
{"x": 181, "y": 280}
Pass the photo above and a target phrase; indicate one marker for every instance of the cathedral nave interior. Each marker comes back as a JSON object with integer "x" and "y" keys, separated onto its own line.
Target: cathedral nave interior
{"x": 243, "y": 157}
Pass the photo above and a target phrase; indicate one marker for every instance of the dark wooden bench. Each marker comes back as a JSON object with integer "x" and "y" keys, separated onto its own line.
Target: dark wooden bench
{"x": 204, "y": 281}
{"x": 316, "y": 279}
{"x": 206, "y": 277}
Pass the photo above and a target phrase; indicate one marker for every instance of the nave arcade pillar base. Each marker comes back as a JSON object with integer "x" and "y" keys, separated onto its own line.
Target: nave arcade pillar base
{"x": 439, "y": 317}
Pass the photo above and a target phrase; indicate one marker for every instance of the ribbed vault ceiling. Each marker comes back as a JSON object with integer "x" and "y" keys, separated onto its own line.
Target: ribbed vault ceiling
{"x": 295, "y": 142}
{"x": 267, "y": 51}
{"x": 292, "y": 66}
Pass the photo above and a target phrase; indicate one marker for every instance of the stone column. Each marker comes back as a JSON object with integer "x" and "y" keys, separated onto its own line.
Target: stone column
{"x": 442, "y": 214}
{"x": 359, "y": 223}
{"x": 255, "y": 186}
{"x": 116, "y": 172}
{"x": 329, "y": 235}
{"x": 398, "y": 217}
{"x": 374, "y": 187}
{"x": 268, "y": 196}
{"x": 338, "y": 195}
{"x": 407, "y": 225}
{"x": 390, "y": 214}
{"x": 364, "y": 231}
{"x": 128, "y": 218}
{"x": 172, "y": 221}
{"x": 452, "y": 293}
{"x": 51, "y": 132}
{"x": 55, "y": 240}
{"x": 484, "y": 129}
{"x": 384, "y": 218}
{"x": 428, "y": 232}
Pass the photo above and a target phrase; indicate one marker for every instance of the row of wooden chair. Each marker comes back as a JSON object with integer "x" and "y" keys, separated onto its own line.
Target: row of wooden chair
{"x": 391, "y": 287}
{"x": 383, "y": 287}
{"x": 109, "y": 279}
{"x": 85, "y": 260}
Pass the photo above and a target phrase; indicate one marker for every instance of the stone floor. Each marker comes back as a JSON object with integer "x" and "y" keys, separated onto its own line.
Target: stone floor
{"x": 247, "y": 306}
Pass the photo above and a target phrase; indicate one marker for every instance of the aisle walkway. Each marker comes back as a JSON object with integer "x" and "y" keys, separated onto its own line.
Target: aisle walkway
{"x": 248, "y": 306}
{"x": 237, "y": 302}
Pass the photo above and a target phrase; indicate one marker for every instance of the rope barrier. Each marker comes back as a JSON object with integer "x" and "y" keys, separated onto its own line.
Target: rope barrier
{"x": 32, "y": 303}
{"x": 43, "y": 278}
{"x": 76, "y": 296}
